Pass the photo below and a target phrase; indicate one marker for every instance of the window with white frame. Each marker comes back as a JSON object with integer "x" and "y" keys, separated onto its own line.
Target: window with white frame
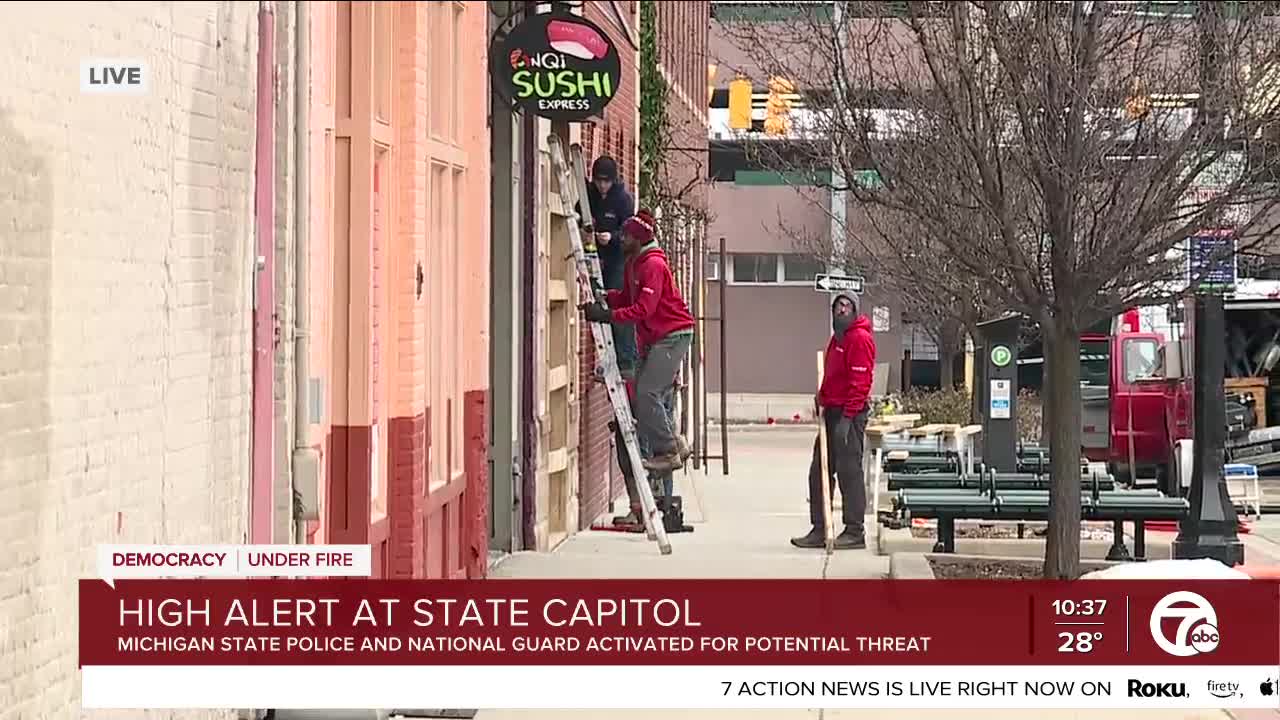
{"x": 754, "y": 268}
{"x": 773, "y": 269}
{"x": 801, "y": 268}
{"x": 712, "y": 269}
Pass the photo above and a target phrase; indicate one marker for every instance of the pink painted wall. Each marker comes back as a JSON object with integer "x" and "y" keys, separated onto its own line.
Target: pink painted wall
{"x": 320, "y": 240}
{"x": 412, "y": 362}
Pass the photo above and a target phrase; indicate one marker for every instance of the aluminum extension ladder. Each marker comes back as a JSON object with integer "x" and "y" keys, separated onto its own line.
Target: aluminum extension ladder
{"x": 573, "y": 189}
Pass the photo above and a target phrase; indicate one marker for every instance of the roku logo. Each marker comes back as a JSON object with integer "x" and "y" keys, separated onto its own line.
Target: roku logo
{"x": 115, "y": 77}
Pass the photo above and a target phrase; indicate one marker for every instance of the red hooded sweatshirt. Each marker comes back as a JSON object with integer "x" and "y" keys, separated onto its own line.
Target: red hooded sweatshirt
{"x": 649, "y": 298}
{"x": 850, "y": 365}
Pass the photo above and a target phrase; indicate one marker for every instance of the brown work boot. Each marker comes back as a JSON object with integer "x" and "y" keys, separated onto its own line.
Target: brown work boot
{"x": 683, "y": 449}
{"x": 664, "y": 463}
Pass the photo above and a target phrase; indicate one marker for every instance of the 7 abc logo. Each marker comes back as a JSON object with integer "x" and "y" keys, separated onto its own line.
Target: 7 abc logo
{"x": 1197, "y": 631}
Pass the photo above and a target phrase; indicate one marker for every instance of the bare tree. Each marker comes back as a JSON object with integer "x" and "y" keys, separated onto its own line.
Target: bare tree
{"x": 1055, "y": 156}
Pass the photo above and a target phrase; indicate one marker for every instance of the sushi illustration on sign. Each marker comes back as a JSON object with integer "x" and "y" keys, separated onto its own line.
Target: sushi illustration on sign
{"x": 558, "y": 66}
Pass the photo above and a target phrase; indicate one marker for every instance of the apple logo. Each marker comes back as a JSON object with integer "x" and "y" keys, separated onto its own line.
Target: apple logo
{"x": 1267, "y": 688}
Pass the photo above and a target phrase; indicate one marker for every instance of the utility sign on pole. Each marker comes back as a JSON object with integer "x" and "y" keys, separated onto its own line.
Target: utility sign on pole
{"x": 837, "y": 283}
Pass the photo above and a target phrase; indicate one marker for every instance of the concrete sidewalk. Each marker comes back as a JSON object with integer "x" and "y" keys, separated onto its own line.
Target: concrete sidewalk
{"x": 743, "y": 522}
{"x": 742, "y": 526}
{"x": 874, "y": 715}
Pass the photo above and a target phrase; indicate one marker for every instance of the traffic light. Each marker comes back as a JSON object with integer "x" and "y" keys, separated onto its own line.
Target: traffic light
{"x": 740, "y": 104}
{"x": 777, "y": 108}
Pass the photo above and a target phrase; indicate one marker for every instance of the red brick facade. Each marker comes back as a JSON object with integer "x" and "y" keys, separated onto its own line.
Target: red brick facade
{"x": 599, "y": 477}
{"x": 682, "y": 33}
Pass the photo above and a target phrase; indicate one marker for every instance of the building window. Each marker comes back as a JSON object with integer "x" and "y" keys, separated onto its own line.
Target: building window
{"x": 801, "y": 268}
{"x": 755, "y": 268}
{"x": 712, "y": 269}
{"x": 773, "y": 269}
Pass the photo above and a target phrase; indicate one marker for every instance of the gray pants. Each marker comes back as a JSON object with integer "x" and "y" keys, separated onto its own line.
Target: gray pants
{"x": 624, "y": 461}
{"x": 657, "y": 373}
{"x": 844, "y": 462}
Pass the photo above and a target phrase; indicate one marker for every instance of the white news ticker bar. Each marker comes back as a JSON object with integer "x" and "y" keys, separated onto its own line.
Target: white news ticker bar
{"x": 682, "y": 687}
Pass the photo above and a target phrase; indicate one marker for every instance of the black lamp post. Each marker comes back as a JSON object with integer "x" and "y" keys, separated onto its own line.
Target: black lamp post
{"x": 1210, "y": 530}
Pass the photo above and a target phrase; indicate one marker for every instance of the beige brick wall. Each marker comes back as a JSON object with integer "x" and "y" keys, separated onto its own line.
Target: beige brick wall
{"x": 285, "y": 242}
{"x": 125, "y": 328}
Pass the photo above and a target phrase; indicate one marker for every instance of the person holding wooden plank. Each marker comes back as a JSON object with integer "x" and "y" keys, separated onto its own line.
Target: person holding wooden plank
{"x": 842, "y": 401}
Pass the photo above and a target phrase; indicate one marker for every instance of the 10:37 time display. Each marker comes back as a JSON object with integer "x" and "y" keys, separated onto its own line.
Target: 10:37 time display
{"x": 1079, "y": 608}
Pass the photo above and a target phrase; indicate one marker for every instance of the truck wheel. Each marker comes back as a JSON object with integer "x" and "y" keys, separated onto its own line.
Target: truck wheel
{"x": 1120, "y": 473}
{"x": 1163, "y": 475}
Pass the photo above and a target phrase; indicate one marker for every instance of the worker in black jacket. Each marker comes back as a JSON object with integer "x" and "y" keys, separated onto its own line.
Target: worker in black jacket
{"x": 611, "y": 206}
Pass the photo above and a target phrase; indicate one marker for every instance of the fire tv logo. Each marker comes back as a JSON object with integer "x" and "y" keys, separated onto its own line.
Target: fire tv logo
{"x": 1197, "y": 625}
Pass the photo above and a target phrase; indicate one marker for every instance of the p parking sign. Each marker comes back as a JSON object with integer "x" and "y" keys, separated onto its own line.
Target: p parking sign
{"x": 1001, "y": 355}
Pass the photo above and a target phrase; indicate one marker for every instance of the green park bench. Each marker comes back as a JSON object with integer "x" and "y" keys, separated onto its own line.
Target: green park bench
{"x": 997, "y": 503}
{"x": 1009, "y": 481}
{"x": 931, "y": 460}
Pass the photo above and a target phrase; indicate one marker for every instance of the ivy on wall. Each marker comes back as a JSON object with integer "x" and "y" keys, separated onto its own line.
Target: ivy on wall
{"x": 653, "y": 109}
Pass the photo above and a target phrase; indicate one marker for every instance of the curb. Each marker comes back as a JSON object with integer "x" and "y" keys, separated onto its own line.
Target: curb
{"x": 910, "y": 566}
{"x": 752, "y": 426}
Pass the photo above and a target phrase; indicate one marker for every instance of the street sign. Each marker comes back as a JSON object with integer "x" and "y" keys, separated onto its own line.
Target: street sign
{"x": 837, "y": 283}
{"x": 1212, "y": 265}
{"x": 1001, "y": 355}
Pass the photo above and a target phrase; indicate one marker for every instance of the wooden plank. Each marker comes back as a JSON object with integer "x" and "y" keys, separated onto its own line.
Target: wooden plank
{"x": 910, "y": 418}
{"x": 557, "y": 378}
{"x": 557, "y": 460}
{"x": 968, "y": 430}
{"x": 926, "y": 430}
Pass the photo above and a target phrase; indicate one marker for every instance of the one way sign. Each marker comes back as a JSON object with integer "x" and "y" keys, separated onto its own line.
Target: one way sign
{"x": 837, "y": 283}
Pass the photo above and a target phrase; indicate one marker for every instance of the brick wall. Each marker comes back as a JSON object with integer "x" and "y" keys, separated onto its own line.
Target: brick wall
{"x": 616, "y": 136}
{"x": 683, "y": 29}
{"x": 285, "y": 202}
{"x": 682, "y": 36}
{"x": 124, "y": 311}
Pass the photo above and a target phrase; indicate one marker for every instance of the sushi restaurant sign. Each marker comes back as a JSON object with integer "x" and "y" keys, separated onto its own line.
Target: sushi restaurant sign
{"x": 558, "y": 66}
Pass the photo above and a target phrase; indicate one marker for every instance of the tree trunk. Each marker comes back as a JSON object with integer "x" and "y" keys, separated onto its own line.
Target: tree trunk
{"x": 1062, "y": 398}
{"x": 951, "y": 344}
{"x": 975, "y": 410}
{"x": 947, "y": 368}
{"x": 1045, "y": 395}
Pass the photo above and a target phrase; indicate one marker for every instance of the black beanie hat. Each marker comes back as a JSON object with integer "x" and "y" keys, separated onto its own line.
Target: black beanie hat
{"x": 604, "y": 168}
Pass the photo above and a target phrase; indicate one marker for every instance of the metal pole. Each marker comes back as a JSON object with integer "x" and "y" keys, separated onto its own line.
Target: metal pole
{"x": 695, "y": 352}
{"x": 724, "y": 402}
{"x": 528, "y": 311}
{"x": 1210, "y": 530}
{"x": 702, "y": 363}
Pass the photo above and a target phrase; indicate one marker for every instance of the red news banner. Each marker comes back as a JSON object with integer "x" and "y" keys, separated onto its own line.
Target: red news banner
{"x": 677, "y": 622}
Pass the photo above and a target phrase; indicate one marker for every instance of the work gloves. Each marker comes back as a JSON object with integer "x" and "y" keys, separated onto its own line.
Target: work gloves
{"x": 597, "y": 312}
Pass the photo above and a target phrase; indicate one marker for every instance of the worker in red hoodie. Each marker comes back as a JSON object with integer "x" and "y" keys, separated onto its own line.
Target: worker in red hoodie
{"x": 650, "y": 300}
{"x": 850, "y": 363}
